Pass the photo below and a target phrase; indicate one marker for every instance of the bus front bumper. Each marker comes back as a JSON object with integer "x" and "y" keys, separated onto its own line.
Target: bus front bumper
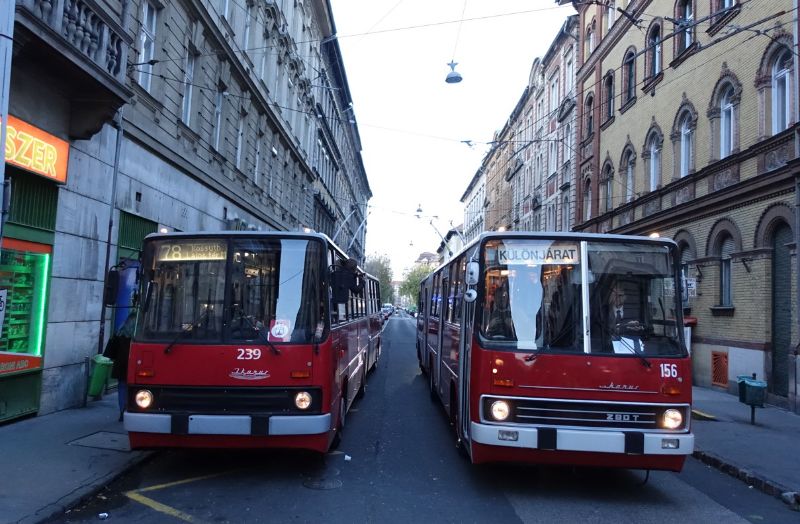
{"x": 227, "y": 424}
{"x": 599, "y": 441}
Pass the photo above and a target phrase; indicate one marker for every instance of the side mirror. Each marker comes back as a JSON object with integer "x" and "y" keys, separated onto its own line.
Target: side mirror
{"x": 473, "y": 272}
{"x": 470, "y": 295}
{"x": 112, "y": 287}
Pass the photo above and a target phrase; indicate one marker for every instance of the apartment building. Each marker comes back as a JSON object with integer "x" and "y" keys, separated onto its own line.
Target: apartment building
{"x": 135, "y": 116}
{"x": 687, "y": 114}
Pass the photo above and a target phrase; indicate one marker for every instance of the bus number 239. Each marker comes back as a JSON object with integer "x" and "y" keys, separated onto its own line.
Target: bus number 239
{"x": 254, "y": 354}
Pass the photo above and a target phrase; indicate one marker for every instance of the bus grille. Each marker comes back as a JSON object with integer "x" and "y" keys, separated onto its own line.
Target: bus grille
{"x": 228, "y": 400}
{"x": 545, "y": 412}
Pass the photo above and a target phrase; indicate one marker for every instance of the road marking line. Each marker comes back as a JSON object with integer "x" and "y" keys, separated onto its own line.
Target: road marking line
{"x": 703, "y": 414}
{"x": 161, "y": 508}
{"x": 179, "y": 482}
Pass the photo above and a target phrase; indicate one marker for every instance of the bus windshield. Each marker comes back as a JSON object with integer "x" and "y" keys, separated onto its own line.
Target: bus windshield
{"x": 216, "y": 290}
{"x": 533, "y": 297}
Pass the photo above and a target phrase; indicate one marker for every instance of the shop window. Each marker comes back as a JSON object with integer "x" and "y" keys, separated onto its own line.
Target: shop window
{"x": 24, "y": 277}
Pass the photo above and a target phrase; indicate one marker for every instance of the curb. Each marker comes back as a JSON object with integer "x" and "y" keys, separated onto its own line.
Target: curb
{"x": 791, "y": 498}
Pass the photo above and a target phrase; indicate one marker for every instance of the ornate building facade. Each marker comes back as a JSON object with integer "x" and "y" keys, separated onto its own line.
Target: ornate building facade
{"x": 147, "y": 116}
{"x": 687, "y": 127}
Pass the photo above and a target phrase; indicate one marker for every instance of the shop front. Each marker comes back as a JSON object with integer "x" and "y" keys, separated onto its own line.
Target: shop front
{"x": 36, "y": 163}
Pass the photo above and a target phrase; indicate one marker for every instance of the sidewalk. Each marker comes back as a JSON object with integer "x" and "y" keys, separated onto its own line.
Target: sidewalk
{"x": 52, "y": 462}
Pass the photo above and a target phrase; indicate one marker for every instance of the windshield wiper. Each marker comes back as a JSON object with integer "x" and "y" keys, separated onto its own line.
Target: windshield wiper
{"x": 188, "y": 329}
{"x": 263, "y": 336}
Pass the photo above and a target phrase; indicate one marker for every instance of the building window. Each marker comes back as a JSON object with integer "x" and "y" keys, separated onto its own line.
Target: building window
{"x": 781, "y": 92}
{"x": 608, "y": 178}
{"x": 726, "y": 123}
{"x": 685, "y": 25}
{"x": 246, "y": 36}
{"x": 654, "y": 148}
{"x": 565, "y": 214}
{"x": 608, "y": 86}
{"x": 587, "y": 200}
{"x": 240, "y": 140}
{"x": 654, "y": 51}
{"x": 147, "y": 45}
{"x": 218, "y": 101}
{"x": 686, "y": 145}
{"x": 188, "y": 81}
{"x": 629, "y": 78}
{"x": 257, "y": 164}
{"x": 589, "y": 110}
{"x": 569, "y": 74}
{"x": 554, "y": 95}
{"x": 611, "y": 14}
{"x": 590, "y": 36}
{"x": 727, "y": 246}
{"x": 628, "y": 163}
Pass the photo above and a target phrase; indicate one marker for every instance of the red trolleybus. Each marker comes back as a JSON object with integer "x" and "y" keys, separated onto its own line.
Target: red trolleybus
{"x": 248, "y": 340}
{"x": 561, "y": 349}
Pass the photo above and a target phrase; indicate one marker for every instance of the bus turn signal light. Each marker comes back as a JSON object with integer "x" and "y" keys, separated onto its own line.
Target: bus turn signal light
{"x": 673, "y": 391}
{"x": 301, "y": 374}
{"x": 507, "y": 382}
{"x": 146, "y": 373}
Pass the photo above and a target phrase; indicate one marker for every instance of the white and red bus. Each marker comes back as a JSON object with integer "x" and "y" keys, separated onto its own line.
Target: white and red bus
{"x": 561, "y": 349}
{"x": 249, "y": 340}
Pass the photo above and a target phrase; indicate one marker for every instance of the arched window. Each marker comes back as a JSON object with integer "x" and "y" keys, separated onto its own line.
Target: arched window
{"x": 590, "y": 39}
{"x": 565, "y": 214}
{"x": 629, "y": 76}
{"x": 726, "y": 246}
{"x": 654, "y": 51}
{"x": 627, "y": 165}
{"x": 610, "y": 14}
{"x": 608, "y": 87}
{"x": 686, "y": 145}
{"x": 654, "y": 148}
{"x": 726, "y": 122}
{"x": 587, "y": 200}
{"x": 685, "y": 25}
{"x": 608, "y": 187}
{"x": 589, "y": 111}
{"x": 781, "y": 92}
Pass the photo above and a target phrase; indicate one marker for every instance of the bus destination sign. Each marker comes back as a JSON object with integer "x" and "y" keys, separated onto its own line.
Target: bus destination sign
{"x": 557, "y": 254}
{"x": 191, "y": 250}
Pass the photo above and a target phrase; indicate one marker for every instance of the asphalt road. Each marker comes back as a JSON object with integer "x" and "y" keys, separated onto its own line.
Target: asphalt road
{"x": 398, "y": 463}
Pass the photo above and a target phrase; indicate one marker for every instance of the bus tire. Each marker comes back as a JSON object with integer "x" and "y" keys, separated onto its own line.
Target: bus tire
{"x": 337, "y": 437}
{"x": 431, "y": 384}
{"x": 362, "y": 389}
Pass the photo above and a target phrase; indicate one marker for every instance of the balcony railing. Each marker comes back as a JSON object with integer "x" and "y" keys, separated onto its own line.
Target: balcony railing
{"x": 87, "y": 27}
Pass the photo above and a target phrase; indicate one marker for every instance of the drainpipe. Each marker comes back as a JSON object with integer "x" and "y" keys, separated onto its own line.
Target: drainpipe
{"x": 112, "y": 205}
{"x": 6, "y": 48}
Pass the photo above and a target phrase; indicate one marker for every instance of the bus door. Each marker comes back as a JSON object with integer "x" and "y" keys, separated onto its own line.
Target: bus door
{"x": 433, "y": 330}
{"x": 470, "y": 279}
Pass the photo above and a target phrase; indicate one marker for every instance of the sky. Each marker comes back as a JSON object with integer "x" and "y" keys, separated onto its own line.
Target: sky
{"x": 412, "y": 123}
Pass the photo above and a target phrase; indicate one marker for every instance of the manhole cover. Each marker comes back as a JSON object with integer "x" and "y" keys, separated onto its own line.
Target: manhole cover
{"x": 322, "y": 483}
{"x": 104, "y": 440}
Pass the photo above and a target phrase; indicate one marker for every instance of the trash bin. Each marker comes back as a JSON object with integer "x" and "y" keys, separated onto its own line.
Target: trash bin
{"x": 751, "y": 391}
{"x": 101, "y": 370}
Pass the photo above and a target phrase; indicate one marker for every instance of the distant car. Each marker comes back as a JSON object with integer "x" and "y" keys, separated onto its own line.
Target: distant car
{"x": 386, "y": 311}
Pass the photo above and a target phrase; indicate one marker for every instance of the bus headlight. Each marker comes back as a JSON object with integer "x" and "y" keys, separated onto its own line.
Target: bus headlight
{"x": 144, "y": 398}
{"x": 302, "y": 400}
{"x": 500, "y": 410}
{"x": 672, "y": 419}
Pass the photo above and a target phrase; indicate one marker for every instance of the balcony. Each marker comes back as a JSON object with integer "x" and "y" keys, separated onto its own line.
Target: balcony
{"x": 82, "y": 43}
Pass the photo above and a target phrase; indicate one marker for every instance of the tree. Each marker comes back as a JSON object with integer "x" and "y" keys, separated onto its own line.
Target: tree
{"x": 410, "y": 286}
{"x": 380, "y": 267}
